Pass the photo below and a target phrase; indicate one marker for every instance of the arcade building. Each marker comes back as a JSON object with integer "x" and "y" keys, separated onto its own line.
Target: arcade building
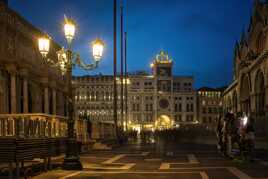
{"x": 158, "y": 100}
{"x": 248, "y": 92}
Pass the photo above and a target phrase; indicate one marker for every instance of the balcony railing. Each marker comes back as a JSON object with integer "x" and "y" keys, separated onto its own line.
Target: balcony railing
{"x": 29, "y": 136}
{"x": 35, "y": 125}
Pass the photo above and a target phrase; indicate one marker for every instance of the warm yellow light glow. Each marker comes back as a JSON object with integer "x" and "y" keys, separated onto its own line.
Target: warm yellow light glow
{"x": 97, "y": 47}
{"x": 125, "y": 81}
{"x": 69, "y": 29}
{"x": 151, "y": 65}
{"x": 163, "y": 122}
{"x": 43, "y": 44}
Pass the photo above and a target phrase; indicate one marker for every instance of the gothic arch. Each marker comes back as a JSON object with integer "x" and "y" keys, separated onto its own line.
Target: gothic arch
{"x": 259, "y": 91}
{"x": 235, "y": 105}
{"x": 245, "y": 94}
{"x": 260, "y": 42}
{"x": 255, "y": 35}
{"x": 229, "y": 102}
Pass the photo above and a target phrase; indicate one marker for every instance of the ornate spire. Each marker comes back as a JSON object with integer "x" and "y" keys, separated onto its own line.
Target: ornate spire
{"x": 243, "y": 40}
{"x": 162, "y": 56}
{"x": 250, "y": 24}
{"x": 236, "y": 50}
{"x": 4, "y": 2}
{"x": 257, "y": 3}
{"x": 258, "y": 11}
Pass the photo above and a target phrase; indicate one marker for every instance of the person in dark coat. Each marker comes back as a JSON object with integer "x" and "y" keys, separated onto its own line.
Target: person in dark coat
{"x": 219, "y": 134}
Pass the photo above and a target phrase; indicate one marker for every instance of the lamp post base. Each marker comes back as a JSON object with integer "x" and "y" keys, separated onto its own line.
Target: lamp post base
{"x": 71, "y": 160}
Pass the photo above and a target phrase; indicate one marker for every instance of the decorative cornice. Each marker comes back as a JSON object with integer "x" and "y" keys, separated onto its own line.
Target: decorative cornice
{"x": 230, "y": 87}
{"x": 258, "y": 60}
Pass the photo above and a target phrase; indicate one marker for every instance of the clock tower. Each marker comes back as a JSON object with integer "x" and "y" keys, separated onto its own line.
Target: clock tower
{"x": 162, "y": 72}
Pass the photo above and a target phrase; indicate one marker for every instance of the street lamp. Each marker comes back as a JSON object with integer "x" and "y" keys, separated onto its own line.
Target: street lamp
{"x": 43, "y": 44}
{"x": 69, "y": 29}
{"x": 66, "y": 60}
{"x": 97, "y": 47}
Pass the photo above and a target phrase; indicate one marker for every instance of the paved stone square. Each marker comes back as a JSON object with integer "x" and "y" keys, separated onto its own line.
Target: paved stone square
{"x": 187, "y": 161}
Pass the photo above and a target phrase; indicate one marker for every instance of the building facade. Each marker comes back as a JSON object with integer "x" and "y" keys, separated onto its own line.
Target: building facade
{"x": 248, "y": 91}
{"x": 94, "y": 101}
{"x": 209, "y": 105}
{"x": 155, "y": 101}
{"x": 33, "y": 120}
{"x": 27, "y": 83}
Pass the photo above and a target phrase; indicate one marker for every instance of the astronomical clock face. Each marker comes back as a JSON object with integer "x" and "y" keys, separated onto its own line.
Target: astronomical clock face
{"x": 163, "y": 103}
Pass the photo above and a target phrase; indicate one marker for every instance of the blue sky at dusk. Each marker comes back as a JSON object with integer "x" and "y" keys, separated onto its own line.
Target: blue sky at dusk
{"x": 199, "y": 35}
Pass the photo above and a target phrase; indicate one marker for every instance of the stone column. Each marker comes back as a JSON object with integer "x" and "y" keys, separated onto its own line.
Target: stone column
{"x": 238, "y": 103}
{"x": 54, "y": 97}
{"x": 13, "y": 93}
{"x": 25, "y": 96}
{"x": 252, "y": 102}
{"x": 45, "y": 84}
{"x": 12, "y": 71}
{"x": 24, "y": 73}
{"x": 46, "y": 100}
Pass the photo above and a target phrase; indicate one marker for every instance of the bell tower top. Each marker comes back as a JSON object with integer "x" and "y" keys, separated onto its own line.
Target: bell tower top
{"x": 162, "y": 65}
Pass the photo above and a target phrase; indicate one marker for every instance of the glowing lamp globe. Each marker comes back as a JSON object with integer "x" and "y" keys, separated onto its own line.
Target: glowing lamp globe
{"x": 97, "y": 47}
{"x": 43, "y": 45}
{"x": 69, "y": 30}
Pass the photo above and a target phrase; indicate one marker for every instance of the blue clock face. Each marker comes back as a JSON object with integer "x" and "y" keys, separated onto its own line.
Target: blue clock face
{"x": 164, "y": 71}
{"x": 163, "y": 103}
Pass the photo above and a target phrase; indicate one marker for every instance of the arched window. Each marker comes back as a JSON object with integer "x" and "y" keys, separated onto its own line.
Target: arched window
{"x": 245, "y": 94}
{"x": 260, "y": 41}
{"x": 259, "y": 93}
{"x": 235, "y": 102}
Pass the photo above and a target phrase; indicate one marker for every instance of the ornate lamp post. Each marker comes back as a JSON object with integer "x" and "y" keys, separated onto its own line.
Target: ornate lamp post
{"x": 66, "y": 60}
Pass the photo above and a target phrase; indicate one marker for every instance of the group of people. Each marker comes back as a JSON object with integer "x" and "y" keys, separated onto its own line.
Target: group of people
{"x": 236, "y": 131}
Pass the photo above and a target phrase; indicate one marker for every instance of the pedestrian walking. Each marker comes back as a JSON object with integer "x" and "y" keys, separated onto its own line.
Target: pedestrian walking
{"x": 248, "y": 138}
{"x": 219, "y": 134}
{"x": 227, "y": 134}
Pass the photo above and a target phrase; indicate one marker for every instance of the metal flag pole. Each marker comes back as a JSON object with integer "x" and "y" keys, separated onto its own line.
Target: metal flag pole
{"x": 115, "y": 85}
